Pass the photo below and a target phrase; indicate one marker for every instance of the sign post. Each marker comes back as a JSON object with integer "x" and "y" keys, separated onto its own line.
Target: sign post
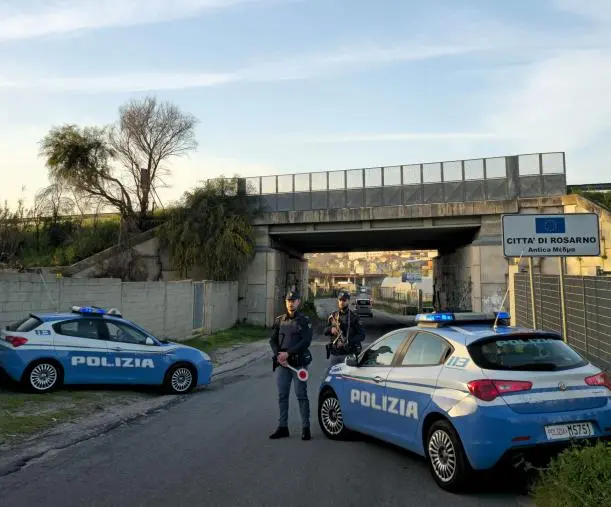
{"x": 561, "y": 235}
{"x": 562, "y": 297}
{"x": 532, "y": 292}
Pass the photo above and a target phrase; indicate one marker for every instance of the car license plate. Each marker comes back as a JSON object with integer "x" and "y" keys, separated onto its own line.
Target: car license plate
{"x": 565, "y": 431}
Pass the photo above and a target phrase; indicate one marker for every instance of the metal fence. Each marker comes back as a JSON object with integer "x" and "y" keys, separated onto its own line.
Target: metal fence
{"x": 390, "y": 294}
{"x": 484, "y": 179}
{"x": 588, "y": 311}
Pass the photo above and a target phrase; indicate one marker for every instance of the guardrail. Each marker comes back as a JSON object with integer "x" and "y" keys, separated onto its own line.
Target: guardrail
{"x": 482, "y": 179}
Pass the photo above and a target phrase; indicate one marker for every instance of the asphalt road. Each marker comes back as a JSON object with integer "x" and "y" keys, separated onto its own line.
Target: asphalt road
{"x": 213, "y": 450}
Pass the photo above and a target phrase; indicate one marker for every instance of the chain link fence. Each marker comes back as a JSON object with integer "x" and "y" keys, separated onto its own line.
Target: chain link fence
{"x": 587, "y": 307}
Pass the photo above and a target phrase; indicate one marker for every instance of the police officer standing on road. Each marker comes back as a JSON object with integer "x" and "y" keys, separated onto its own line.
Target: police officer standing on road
{"x": 290, "y": 343}
{"x": 350, "y": 327}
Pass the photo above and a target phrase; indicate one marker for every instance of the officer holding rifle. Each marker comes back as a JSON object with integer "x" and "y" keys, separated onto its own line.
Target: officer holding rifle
{"x": 345, "y": 331}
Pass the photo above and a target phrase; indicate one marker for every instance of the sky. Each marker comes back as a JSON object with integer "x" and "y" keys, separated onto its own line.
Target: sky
{"x": 284, "y": 86}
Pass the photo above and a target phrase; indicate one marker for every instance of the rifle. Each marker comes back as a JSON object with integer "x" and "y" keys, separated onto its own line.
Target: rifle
{"x": 334, "y": 320}
{"x": 336, "y": 324}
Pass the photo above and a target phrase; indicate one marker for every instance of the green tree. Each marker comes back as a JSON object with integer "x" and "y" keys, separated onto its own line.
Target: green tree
{"x": 81, "y": 158}
{"x": 89, "y": 159}
{"x": 601, "y": 198}
{"x": 213, "y": 230}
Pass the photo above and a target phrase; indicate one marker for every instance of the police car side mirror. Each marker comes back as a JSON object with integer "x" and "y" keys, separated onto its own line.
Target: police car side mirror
{"x": 351, "y": 360}
{"x": 149, "y": 341}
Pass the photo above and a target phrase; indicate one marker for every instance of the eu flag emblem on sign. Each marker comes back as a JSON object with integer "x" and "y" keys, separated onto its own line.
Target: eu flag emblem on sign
{"x": 552, "y": 225}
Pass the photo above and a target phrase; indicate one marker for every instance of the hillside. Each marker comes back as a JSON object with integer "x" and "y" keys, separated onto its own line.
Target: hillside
{"x": 385, "y": 262}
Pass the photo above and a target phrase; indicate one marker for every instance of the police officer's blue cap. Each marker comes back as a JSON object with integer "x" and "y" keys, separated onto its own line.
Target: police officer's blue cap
{"x": 292, "y": 295}
{"x": 343, "y": 294}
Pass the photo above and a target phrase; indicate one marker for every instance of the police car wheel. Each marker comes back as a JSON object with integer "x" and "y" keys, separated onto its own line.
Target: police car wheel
{"x": 446, "y": 457}
{"x": 330, "y": 416}
{"x": 42, "y": 377}
{"x": 180, "y": 379}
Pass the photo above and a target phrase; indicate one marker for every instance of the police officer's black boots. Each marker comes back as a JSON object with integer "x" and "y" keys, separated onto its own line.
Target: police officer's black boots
{"x": 281, "y": 432}
{"x": 305, "y": 434}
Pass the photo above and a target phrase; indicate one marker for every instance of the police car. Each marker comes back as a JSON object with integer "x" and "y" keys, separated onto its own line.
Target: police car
{"x": 467, "y": 392}
{"x": 93, "y": 346}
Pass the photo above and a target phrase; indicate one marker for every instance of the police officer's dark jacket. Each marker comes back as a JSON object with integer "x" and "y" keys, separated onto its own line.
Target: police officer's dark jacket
{"x": 351, "y": 327}
{"x": 292, "y": 335}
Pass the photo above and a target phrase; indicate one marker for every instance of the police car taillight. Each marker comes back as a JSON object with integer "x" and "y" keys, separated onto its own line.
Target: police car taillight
{"x": 488, "y": 390}
{"x": 16, "y": 341}
{"x": 602, "y": 379}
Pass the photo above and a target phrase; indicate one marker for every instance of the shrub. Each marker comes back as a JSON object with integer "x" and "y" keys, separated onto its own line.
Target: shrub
{"x": 309, "y": 308}
{"x": 579, "y": 476}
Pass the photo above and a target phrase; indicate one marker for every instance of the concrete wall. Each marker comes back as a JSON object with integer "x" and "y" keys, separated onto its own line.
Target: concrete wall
{"x": 263, "y": 285}
{"x": 453, "y": 280}
{"x": 587, "y": 266}
{"x": 220, "y": 305}
{"x": 474, "y": 277}
{"x": 164, "y": 308}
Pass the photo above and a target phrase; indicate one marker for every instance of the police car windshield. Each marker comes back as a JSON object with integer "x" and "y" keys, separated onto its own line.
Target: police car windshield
{"x": 532, "y": 352}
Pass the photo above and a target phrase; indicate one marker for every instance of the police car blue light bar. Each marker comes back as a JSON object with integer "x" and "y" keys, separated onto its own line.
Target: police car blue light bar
{"x": 89, "y": 309}
{"x": 503, "y": 315}
{"x": 435, "y": 317}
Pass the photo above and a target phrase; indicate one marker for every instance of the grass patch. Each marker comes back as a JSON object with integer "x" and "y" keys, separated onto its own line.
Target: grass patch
{"x": 23, "y": 414}
{"x": 24, "y": 425}
{"x": 236, "y": 335}
{"x": 580, "y": 476}
{"x": 67, "y": 242}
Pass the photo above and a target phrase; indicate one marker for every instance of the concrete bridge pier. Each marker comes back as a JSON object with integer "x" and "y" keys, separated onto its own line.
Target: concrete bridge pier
{"x": 263, "y": 285}
{"x": 473, "y": 277}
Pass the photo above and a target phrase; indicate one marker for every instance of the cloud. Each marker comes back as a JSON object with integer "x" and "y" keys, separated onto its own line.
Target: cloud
{"x": 594, "y": 10}
{"x": 397, "y": 136}
{"x": 304, "y": 67}
{"x": 561, "y": 104}
{"x": 37, "y": 18}
{"x": 563, "y": 100}
{"x": 120, "y": 83}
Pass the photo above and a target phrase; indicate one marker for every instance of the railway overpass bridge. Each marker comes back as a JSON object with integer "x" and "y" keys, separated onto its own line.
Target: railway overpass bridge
{"x": 453, "y": 207}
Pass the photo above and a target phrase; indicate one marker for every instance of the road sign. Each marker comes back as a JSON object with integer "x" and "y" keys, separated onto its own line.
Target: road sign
{"x": 411, "y": 277}
{"x": 566, "y": 235}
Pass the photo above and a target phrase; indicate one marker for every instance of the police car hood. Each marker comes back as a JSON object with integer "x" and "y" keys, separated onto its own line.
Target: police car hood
{"x": 174, "y": 345}
{"x": 181, "y": 346}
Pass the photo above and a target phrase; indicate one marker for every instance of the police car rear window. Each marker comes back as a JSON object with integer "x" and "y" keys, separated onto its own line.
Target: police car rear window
{"x": 533, "y": 352}
{"x": 25, "y": 325}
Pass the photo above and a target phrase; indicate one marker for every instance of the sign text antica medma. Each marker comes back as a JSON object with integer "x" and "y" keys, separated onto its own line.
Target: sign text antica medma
{"x": 553, "y": 244}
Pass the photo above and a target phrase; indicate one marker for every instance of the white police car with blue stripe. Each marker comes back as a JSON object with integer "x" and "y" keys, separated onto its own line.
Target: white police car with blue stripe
{"x": 93, "y": 346}
{"x": 468, "y": 392}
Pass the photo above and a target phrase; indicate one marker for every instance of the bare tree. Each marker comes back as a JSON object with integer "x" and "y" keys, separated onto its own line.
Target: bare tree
{"x": 54, "y": 201}
{"x": 147, "y": 135}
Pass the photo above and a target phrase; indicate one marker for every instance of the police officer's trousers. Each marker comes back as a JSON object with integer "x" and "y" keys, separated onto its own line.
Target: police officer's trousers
{"x": 284, "y": 377}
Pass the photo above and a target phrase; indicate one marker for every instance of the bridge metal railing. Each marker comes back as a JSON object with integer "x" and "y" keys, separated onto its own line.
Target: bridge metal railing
{"x": 483, "y": 179}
